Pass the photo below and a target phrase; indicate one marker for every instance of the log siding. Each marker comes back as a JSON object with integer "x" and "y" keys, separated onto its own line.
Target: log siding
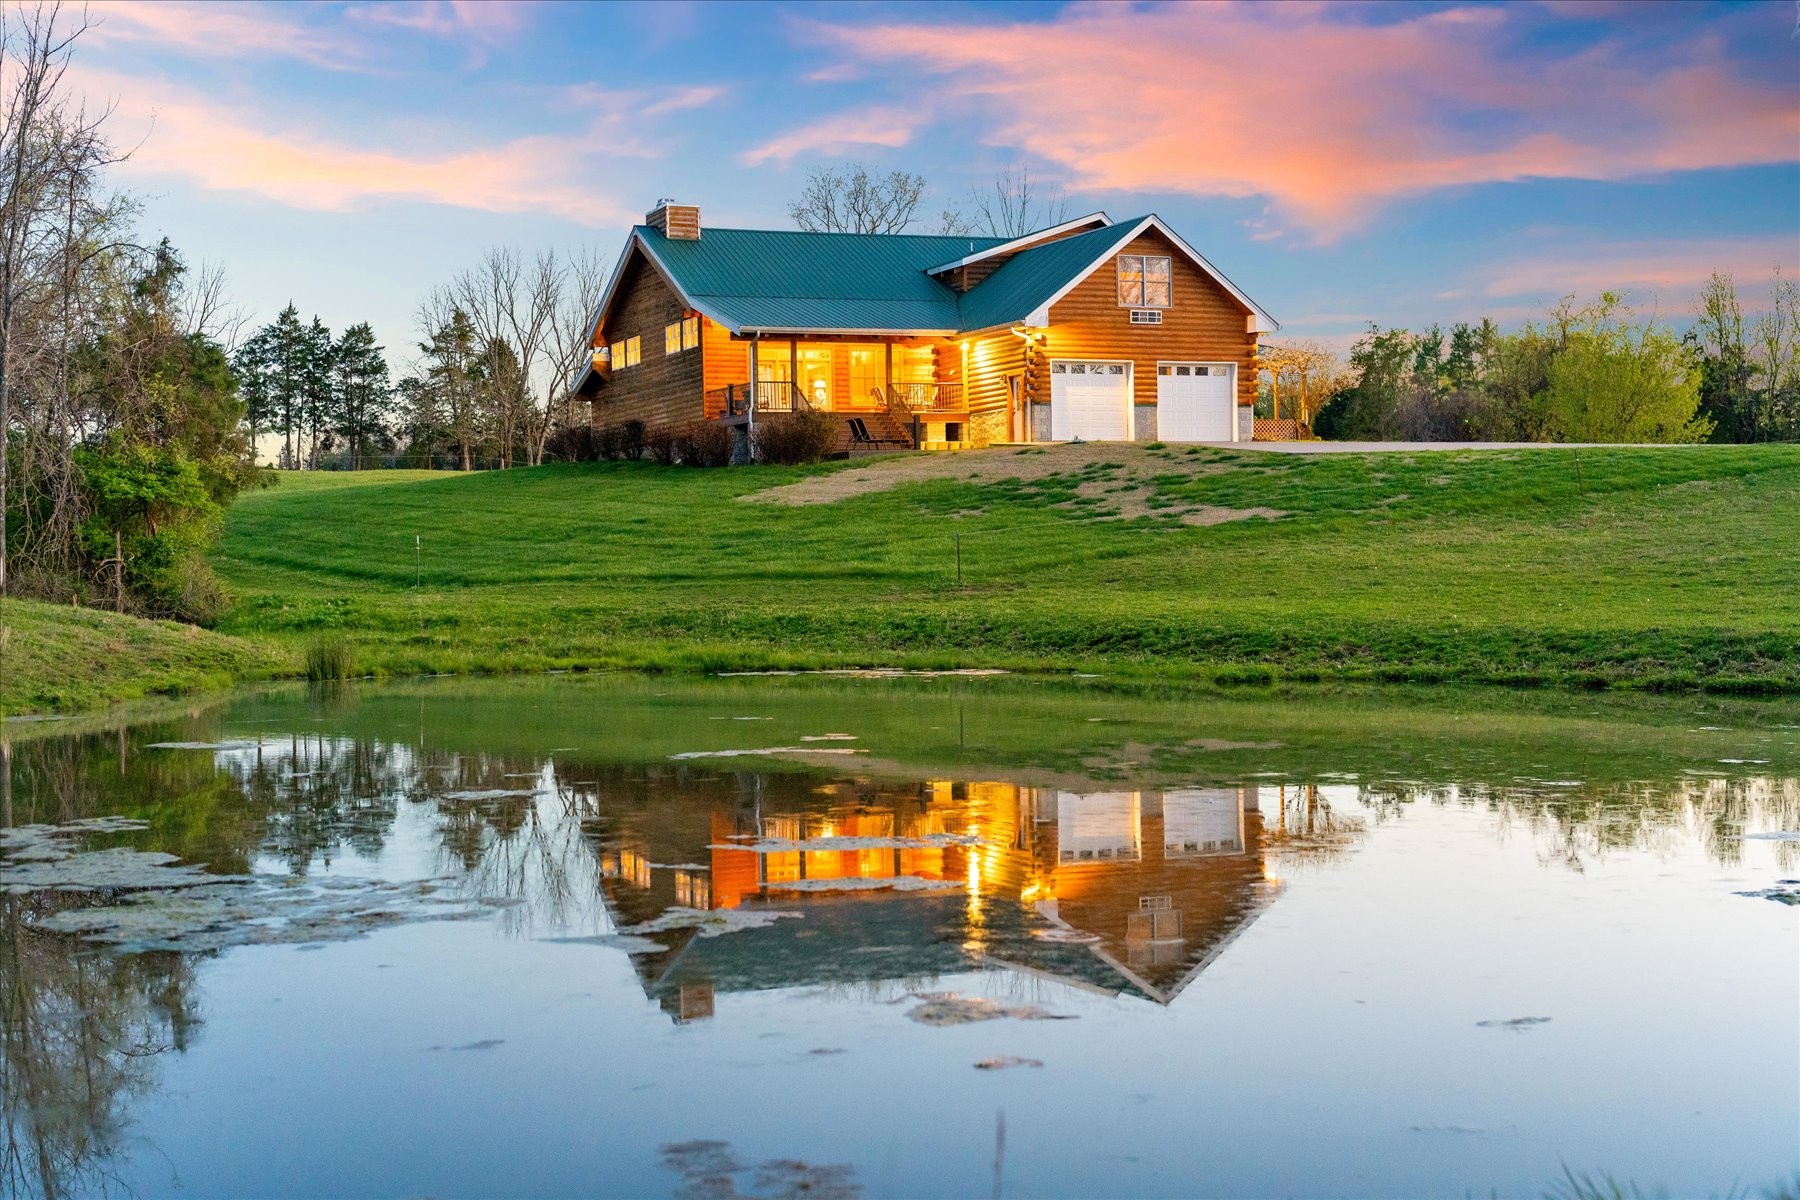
{"x": 1204, "y": 323}
{"x": 662, "y": 388}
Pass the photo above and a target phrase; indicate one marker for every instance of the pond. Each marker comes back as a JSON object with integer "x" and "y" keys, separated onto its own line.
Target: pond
{"x": 884, "y": 937}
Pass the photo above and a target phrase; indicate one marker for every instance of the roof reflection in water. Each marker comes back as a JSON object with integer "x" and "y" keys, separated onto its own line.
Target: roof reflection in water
{"x": 1131, "y": 892}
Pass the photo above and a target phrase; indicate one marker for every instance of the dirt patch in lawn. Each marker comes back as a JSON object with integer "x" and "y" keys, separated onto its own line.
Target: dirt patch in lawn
{"x": 1123, "y": 478}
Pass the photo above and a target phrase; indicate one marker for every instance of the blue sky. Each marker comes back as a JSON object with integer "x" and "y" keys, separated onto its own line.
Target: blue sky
{"x": 1344, "y": 164}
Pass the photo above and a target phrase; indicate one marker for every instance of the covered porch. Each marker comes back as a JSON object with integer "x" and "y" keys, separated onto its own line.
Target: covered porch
{"x": 911, "y": 388}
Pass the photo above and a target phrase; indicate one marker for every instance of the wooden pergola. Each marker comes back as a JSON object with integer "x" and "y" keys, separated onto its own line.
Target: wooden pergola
{"x": 1301, "y": 364}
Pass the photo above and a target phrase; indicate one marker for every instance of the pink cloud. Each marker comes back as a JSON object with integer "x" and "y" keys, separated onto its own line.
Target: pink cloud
{"x": 1663, "y": 273}
{"x": 228, "y": 31}
{"x": 684, "y": 98}
{"x": 177, "y": 131}
{"x": 866, "y": 127}
{"x": 490, "y": 21}
{"x": 1326, "y": 118}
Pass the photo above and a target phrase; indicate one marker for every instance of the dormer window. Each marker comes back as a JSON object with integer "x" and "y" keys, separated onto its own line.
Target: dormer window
{"x": 1144, "y": 281}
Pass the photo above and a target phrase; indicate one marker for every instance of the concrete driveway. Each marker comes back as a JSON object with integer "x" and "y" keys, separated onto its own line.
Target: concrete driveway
{"x": 1417, "y": 447}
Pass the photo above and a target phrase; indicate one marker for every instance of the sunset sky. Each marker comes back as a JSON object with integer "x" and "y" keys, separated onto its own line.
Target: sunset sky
{"x": 1396, "y": 163}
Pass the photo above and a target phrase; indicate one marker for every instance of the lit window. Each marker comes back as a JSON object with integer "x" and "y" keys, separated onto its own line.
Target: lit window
{"x": 1144, "y": 281}
{"x": 693, "y": 890}
{"x": 615, "y": 354}
{"x": 681, "y": 335}
{"x": 630, "y": 353}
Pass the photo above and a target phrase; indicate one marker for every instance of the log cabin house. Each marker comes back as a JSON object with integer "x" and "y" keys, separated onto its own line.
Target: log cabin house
{"x": 1093, "y": 329}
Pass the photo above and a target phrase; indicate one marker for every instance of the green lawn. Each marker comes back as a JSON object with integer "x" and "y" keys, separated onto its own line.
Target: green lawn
{"x": 1647, "y": 567}
{"x": 54, "y": 657}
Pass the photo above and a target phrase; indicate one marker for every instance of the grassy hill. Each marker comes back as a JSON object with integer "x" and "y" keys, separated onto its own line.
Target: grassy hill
{"x": 1648, "y": 567}
{"x": 52, "y": 657}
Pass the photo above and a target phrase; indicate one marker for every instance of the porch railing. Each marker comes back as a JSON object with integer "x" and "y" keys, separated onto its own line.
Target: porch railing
{"x": 779, "y": 395}
{"x": 926, "y": 397}
{"x": 763, "y": 396}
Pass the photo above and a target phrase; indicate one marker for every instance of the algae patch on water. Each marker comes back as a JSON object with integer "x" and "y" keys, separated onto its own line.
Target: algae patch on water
{"x": 948, "y": 1008}
{"x": 148, "y": 900}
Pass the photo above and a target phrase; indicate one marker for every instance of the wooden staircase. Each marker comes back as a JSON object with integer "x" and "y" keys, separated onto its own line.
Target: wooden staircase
{"x": 881, "y": 424}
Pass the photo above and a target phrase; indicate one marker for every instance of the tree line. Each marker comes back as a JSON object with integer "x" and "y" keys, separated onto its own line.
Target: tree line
{"x": 1594, "y": 372}
{"x": 489, "y": 382}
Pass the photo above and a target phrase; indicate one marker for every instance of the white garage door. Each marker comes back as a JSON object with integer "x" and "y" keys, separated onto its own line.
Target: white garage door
{"x": 1090, "y": 401}
{"x": 1194, "y": 403}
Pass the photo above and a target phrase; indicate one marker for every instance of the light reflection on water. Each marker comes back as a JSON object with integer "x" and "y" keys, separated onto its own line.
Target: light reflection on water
{"x": 1289, "y": 972}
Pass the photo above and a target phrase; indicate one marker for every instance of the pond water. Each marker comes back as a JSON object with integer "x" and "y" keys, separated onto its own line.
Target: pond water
{"x": 898, "y": 937}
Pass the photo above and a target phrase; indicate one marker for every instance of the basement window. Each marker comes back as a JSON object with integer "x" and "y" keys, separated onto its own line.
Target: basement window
{"x": 1144, "y": 281}
{"x": 1146, "y": 316}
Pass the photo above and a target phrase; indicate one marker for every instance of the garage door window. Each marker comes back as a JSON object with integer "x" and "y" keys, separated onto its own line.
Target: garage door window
{"x": 1178, "y": 369}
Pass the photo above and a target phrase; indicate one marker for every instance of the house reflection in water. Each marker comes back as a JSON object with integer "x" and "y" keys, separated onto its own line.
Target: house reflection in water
{"x": 1124, "y": 892}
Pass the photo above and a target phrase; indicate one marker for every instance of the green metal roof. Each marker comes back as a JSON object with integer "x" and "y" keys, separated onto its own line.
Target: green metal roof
{"x": 786, "y": 279}
{"x": 1030, "y": 277}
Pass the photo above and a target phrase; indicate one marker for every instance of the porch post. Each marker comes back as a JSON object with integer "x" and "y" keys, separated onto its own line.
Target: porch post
{"x": 750, "y": 418}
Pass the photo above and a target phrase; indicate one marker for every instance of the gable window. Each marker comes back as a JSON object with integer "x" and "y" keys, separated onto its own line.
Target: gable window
{"x": 627, "y": 353}
{"x": 1144, "y": 281}
{"x": 1146, "y": 316}
{"x": 681, "y": 335}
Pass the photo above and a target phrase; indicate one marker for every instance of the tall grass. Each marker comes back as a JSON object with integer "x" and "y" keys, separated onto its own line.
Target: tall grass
{"x": 1602, "y": 1186}
{"x": 327, "y": 658}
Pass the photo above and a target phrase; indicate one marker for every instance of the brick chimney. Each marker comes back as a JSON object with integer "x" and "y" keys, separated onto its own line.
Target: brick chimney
{"x": 674, "y": 220}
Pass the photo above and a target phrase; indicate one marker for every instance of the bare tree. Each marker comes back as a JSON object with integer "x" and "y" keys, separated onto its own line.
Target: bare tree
{"x": 207, "y": 308}
{"x": 851, "y": 199}
{"x": 52, "y": 230}
{"x": 1775, "y": 356}
{"x": 571, "y": 332}
{"x": 510, "y": 303}
{"x": 1017, "y": 204}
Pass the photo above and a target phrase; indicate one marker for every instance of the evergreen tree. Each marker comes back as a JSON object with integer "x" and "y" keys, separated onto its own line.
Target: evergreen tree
{"x": 452, "y": 382}
{"x": 361, "y": 397}
{"x": 254, "y": 365}
{"x": 316, "y": 376}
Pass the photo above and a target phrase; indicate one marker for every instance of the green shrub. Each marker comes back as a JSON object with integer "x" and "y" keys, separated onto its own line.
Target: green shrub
{"x": 795, "y": 439}
{"x": 193, "y": 592}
